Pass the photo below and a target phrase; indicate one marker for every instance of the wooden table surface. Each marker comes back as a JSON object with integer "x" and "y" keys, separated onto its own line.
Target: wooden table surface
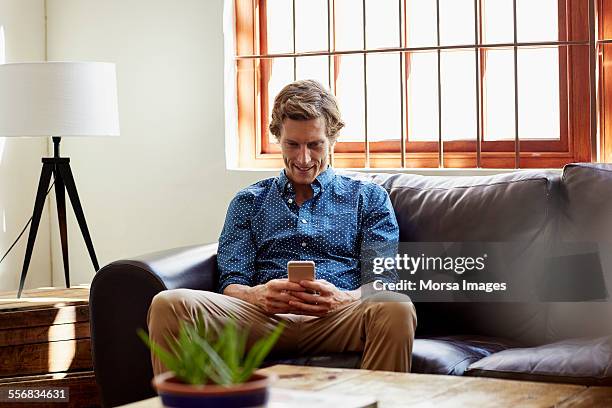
{"x": 44, "y": 297}
{"x": 425, "y": 390}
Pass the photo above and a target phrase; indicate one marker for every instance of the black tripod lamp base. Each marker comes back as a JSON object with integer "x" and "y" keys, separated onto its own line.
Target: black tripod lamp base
{"x": 59, "y": 168}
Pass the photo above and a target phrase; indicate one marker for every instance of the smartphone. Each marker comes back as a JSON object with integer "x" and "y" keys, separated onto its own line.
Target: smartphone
{"x": 300, "y": 270}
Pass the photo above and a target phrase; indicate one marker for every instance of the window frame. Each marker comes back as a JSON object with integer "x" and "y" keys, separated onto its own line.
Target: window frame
{"x": 575, "y": 143}
{"x": 605, "y": 83}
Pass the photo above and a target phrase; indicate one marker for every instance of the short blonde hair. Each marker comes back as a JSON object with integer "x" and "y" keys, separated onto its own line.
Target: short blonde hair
{"x": 304, "y": 100}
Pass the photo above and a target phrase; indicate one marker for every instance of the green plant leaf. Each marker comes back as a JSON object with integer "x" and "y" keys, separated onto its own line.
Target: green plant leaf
{"x": 199, "y": 354}
{"x": 219, "y": 365}
{"x": 230, "y": 354}
{"x": 170, "y": 361}
{"x": 259, "y": 351}
{"x": 241, "y": 344}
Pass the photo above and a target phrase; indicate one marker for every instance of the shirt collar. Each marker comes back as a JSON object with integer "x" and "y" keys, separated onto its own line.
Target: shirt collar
{"x": 319, "y": 183}
{"x": 325, "y": 178}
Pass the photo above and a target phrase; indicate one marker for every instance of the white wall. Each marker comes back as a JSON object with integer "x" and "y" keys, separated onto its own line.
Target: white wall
{"x": 163, "y": 182}
{"x": 20, "y": 163}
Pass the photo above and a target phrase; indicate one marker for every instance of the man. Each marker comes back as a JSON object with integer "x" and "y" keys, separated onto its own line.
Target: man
{"x": 306, "y": 213}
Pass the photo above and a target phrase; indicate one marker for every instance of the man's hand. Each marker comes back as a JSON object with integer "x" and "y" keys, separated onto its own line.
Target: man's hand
{"x": 274, "y": 296}
{"x": 327, "y": 298}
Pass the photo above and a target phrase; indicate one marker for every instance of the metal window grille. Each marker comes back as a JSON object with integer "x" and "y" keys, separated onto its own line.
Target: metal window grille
{"x": 593, "y": 44}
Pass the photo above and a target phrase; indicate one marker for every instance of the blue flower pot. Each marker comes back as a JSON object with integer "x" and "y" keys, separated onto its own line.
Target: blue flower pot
{"x": 176, "y": 394}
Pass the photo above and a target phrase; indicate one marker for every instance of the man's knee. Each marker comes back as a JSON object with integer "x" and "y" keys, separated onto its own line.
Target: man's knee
{"x": 394, "y": 316}
{"x": 168, "y": 302}
{"x": 162, "y": 316}
{"x": 170, "y": 307}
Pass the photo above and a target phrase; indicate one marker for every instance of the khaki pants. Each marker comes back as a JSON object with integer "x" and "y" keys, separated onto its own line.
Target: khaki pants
{"x": 382, "y": 330}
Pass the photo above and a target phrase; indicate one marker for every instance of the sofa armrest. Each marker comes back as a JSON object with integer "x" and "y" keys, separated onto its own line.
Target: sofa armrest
{"x": 119, "y": 299}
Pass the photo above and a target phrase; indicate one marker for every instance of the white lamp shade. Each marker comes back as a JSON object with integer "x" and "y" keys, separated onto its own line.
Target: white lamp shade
{"x": 58, "y": 99}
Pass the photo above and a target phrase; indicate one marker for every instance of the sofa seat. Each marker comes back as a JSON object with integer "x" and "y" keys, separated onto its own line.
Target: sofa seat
{"x": 331, "y": 360}
{"x": 585, "y": 361}
{"x": 452, "y": 355}
{"x": 449, "y": 355}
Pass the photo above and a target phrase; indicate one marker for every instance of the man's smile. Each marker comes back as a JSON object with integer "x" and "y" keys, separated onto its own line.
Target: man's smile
{"x": 303, "y": 169}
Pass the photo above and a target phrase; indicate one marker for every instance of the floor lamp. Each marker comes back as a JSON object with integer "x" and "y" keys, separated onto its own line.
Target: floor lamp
{"x": 58, "y": 99}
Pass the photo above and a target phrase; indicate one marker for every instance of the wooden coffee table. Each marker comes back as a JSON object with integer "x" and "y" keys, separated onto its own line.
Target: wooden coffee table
{"x": 420, "y": 390}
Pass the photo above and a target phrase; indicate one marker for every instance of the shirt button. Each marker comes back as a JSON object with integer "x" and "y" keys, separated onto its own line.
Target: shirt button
{"x": 304, "y": 221}
{"x": 304, "y": 244}
{"x": 290, "y": 201}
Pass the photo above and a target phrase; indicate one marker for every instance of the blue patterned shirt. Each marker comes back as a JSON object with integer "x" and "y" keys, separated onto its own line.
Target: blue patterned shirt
{"x": 265, "y": 228}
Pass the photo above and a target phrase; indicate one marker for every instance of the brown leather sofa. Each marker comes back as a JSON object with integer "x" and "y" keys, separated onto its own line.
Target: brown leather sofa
{"x": 553, "y": 341}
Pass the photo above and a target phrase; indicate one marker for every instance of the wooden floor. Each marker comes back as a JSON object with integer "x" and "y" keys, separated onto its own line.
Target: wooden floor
{"x": 45, "y": 342}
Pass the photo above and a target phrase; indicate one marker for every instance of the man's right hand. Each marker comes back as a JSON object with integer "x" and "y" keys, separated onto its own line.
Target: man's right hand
{"x": 274, "y": 296}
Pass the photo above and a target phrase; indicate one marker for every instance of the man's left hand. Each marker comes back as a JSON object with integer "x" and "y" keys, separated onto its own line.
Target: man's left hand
{"x": 326, "y": 299}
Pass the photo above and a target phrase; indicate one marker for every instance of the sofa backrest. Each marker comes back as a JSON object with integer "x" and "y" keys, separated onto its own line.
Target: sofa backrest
{"x": 585, "y": 228}
{"x": 505, "y": 207}
{"x": 534, "y": 206}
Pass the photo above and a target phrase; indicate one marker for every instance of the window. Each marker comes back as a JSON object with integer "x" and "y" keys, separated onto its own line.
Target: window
{"x": 605, "y": 79}
{"x": 429, "y": 83}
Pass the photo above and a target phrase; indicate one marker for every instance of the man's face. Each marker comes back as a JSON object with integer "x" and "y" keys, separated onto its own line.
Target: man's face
{"x": 305, "y": 149}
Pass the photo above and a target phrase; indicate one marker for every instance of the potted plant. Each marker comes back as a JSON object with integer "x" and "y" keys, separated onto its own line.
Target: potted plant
{"x": 210, "y": 368}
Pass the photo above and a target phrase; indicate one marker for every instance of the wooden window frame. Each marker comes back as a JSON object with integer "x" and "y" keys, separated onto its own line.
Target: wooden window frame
{"x": 605, "y": 82}
{"x": 576, "y": 141}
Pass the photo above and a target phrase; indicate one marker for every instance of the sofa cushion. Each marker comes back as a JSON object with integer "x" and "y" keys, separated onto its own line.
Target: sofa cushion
{"x": 520, "y": 207}
{"x": 449, "y": 355}
{"x": 515, "y": 206}
{"x": 453, "y": 354}
{"x": 586, "y": 230}
{"x": 587, "y": 191}
{"x": 576, "y": 361}
{"x": 331, "y": 360}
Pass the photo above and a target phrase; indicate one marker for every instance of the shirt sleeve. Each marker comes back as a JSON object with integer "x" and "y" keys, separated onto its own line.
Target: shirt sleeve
{"x": 380, "y": 234}
{"x": 236, "y": 254}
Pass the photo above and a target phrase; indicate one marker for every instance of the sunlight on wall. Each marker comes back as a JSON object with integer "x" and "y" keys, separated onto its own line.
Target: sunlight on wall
{"x": 2, "y": 60}
{"x": 2, "y": 53}
{"x": 2, "y": 143}
{"x": 61, "y": 353}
